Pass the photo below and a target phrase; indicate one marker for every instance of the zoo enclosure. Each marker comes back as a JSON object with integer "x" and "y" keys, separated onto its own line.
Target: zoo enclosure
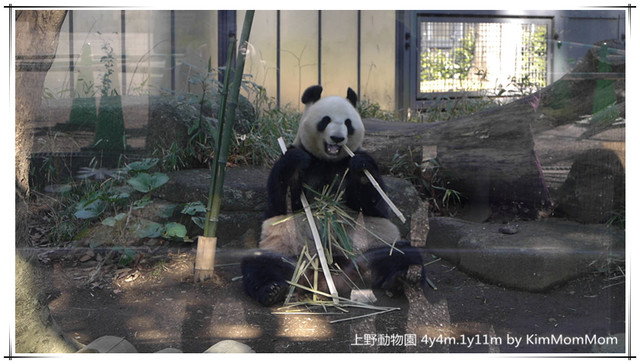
{"x": 387, "y": 56}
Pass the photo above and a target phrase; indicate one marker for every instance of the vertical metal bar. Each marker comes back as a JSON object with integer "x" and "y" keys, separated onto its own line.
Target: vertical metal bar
{"x": 359, "y": 51}
{"x": 71, "y": 55}
{"x": 123, "y": 51}
{"x": 226, "y": 31}
{"x": 173, "y": 50}
{"x": 319, "y": 47}
{"x": 399, "y": 72}
{"x": 278, "y": 81}
{"x": 551, "y": 29}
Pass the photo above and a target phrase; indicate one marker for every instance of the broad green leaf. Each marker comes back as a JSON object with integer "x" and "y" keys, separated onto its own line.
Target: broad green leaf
{"x": 112, "y": 220}
{"x": 142, "y": 165}
{"x": 198, "y": 220}
{"x": 193, "y": 208}
{"x": 166, "y": 212}
{"x": 141, "y": 203}
{"x": 145, "y": 182}
{"x": 175, "y": 230}
{"x": 150, "y": 230}
{"x": 90, "y": 209}
{"x": 119, "y": 193}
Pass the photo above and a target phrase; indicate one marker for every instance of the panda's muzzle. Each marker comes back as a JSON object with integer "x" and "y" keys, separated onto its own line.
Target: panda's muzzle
{"x": 332, "y": 149}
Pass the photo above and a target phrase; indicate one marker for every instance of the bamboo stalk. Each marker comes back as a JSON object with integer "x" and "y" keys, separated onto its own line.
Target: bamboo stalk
{"x": 211, "y": 219}
{"x": 380, "y": 191}
{"x": 205, "y": 261}
{"x": 363, "y": 316}
{"x": 316, "y": 237}
{"x": 225, "y": 140}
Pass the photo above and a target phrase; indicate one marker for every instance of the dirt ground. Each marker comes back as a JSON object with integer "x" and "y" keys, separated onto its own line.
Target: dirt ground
{"x": 156, "y": 305}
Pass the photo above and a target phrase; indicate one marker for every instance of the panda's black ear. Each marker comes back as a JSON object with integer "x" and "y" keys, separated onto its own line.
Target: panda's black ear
{"x": 352, "y": 96}
{"x": 311, "y": 94}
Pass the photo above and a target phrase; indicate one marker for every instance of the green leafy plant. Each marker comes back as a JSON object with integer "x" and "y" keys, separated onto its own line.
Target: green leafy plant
{"x": 92, "y": 206}
{"x": 426, "y": 178}
{"x": 145, "y": 182}
{"x": 121, "y": 194}
{"x": 110, "y": 133}
{"x": 445, "y": 64}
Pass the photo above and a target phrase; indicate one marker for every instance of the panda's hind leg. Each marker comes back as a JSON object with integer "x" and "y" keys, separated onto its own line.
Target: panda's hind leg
{"x": 264, "y": 276}
{"x": 388, "y": 270}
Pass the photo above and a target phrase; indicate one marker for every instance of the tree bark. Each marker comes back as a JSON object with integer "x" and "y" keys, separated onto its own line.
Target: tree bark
{"x": 37, "y": 34}
{"x": 36, "y": 43}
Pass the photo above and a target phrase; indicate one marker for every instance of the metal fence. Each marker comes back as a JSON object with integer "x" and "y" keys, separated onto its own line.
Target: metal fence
{"x": 495, "y": 57}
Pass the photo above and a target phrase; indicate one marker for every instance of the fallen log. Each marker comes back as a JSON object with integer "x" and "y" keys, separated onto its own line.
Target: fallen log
{"x": 489, "y": 156}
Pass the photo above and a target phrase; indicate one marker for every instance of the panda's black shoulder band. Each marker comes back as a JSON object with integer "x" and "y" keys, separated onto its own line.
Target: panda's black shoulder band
{"x": 311, "y": 94}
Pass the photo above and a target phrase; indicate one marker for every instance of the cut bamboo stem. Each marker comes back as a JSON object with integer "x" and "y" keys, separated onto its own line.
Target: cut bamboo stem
{"x": 379, "y": 189}
{"x": 205, "y": 258}
{"x": 316, "y": 238}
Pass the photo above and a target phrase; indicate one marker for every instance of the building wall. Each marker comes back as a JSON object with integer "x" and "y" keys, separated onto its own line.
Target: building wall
{"x": 310, "y": 47}
{"x": 289, "y": 50}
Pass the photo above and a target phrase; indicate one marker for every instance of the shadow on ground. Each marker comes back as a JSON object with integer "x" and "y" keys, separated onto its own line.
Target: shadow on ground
{"x": 157, "y": 306}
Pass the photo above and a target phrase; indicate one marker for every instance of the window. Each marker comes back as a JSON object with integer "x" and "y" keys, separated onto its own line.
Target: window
{"x": 492, "y": 56}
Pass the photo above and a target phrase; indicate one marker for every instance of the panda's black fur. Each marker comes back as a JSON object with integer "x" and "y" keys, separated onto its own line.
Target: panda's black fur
{"x": 316, "y": 159}
{"x": 298, "y": 168}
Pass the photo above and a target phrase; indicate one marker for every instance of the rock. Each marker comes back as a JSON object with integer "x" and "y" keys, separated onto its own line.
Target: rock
{"x": 245, "y": 200}
{"x": 109, "y": 344}
{"x": 543, "y": 253}
{"x": 244, "y": 188}
{"x": 594, "y": 190}
{"x": 169, "y": 350}
{"x": 509, "y": 229}
{"x": 363, "y": 295}
{"x": 158, "y": 210}
{"x": 229, "y": 346}
{"x": 170, "y": 119}
{"x": 87, "y": 256}
{"x": 103, "y": 235}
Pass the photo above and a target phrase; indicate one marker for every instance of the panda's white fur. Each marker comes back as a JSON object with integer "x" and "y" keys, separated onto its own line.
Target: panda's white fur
{"x": 339, "y": 109}
{"x": 287, "y": 234}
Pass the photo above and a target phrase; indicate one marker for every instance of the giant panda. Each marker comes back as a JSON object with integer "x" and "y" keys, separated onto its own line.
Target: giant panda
{"x": 315, "y": 159}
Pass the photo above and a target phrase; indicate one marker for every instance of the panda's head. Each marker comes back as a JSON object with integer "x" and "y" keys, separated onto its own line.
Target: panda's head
{"x": 328, "y": 124}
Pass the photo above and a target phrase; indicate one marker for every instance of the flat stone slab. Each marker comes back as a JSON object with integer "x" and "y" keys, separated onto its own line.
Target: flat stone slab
{"x": 533, "y": 256}
{"x": 245, "y": 200}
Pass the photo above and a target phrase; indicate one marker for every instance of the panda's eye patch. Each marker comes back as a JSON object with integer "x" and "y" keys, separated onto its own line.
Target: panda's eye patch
{"x": 323, "y": 123}
{"x": 349, "y": 126}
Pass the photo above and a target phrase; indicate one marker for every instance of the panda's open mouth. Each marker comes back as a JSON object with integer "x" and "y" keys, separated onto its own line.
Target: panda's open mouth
{"x": 332, "y": 149}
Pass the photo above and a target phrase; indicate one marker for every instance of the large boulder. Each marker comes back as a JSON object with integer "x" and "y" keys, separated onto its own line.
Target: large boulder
{"x": 594, "y": 190}
{"x": 532, "y": 256}
{"x": 173, "y": 120}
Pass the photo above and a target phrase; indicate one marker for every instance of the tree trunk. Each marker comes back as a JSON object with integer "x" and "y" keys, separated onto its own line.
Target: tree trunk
{"x": 488, "y": 156}
{"x": 36, "y": 43}
{"x": 37, "y": 34}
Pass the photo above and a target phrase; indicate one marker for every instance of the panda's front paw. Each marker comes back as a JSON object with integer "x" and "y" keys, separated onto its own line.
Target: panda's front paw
{"x": 361, "y": 162}
{"x": 273, "y": 293}
{"x": 297, "y": 158}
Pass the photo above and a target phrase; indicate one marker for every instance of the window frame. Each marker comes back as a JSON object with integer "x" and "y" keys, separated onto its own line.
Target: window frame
{"x": 422, "y": 98}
